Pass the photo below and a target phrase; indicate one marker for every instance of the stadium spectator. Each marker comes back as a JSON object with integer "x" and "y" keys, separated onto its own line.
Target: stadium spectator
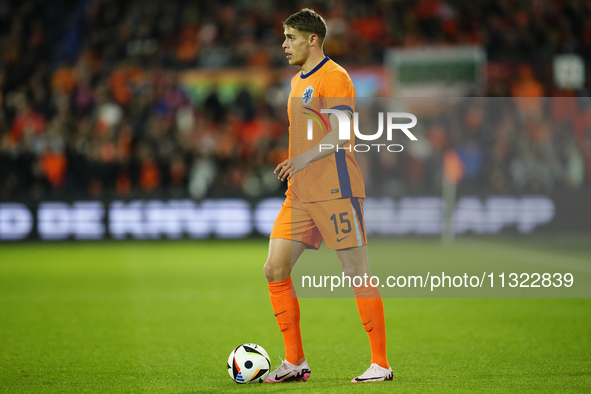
{"x": 527, "y": 92}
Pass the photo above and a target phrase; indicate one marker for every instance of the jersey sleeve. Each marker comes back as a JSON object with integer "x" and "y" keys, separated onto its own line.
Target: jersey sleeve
{"x": 337, "y": 84}
{"x": 338, "y": 92}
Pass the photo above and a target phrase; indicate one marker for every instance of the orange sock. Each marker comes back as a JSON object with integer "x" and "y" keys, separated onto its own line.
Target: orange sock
{"x": 287, "y": 312}
{"x": 371, "y": 311}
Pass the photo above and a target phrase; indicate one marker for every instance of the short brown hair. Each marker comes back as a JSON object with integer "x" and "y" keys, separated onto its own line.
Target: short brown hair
{"x": 307, "y": 21}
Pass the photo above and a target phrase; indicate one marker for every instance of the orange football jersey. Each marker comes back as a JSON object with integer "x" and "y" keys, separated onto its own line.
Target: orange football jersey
{"x": 327, "y": 86}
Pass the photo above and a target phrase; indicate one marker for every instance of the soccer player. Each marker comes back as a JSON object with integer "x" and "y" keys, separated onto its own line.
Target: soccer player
{"x": 324, "y": 200}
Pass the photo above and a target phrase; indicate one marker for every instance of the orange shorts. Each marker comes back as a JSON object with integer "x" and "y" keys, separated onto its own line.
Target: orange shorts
{"x": 338, "y": 222}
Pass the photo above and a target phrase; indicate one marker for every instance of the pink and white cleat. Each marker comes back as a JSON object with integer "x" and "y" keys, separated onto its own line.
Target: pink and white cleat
{"x": 288, "y": 372}
{"x": 375, "y": 373}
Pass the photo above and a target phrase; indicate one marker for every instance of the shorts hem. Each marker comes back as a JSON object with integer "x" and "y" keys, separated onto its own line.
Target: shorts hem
{"x": 308, "y": 246}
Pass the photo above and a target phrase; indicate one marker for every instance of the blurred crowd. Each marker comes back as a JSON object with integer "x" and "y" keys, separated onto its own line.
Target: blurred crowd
{"x": 92, "y": 104}
{"x": 504, "y": 145}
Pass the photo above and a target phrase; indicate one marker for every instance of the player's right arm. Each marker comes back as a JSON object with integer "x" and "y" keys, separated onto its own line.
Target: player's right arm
{"x": 291, "y": 166}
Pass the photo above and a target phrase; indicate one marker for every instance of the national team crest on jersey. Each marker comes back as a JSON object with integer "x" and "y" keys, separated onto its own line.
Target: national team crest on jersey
{"x": 308, "y": 95}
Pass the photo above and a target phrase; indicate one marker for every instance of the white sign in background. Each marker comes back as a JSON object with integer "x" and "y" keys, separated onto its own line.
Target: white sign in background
{"x": 236, "y": 218}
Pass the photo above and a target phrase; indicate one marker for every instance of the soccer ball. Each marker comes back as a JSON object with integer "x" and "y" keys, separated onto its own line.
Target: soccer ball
{"x": 249, "y": 363}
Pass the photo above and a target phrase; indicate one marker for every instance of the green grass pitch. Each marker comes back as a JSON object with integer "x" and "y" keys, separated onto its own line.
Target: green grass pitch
{"x": 162, "y": 317}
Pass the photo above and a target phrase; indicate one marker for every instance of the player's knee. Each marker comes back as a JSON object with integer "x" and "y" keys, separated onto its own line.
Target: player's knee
{"x": 271, "y": 271}
{"x": 268, "y": 270}
{"x": 275, "y": 271}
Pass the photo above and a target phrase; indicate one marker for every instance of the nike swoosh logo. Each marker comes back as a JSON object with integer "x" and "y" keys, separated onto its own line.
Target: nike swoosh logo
{"x": 366, "y": 323}
{"x": 281, "y": 377}
{"x": 362, "y": 380}
{"x": 277, "y": 314}
{"x": 339, "y": 240}
{"x": 390, "y": 376}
